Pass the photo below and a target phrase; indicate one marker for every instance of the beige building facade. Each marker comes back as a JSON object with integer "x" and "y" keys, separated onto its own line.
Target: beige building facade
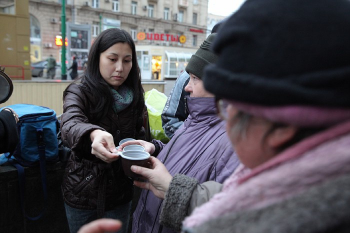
{"x": 212, "y": 20}
{"x": 166, "y": 32}
{"x": 14, "y": 39}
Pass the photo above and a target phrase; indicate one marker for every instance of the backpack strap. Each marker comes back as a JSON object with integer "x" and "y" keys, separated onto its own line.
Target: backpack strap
{"x": 21, "y": 176}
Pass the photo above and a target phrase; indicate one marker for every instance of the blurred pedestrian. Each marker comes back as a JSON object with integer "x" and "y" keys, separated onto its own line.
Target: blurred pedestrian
{"x": 74, "y": 68}
{"x": 51, "y": 67}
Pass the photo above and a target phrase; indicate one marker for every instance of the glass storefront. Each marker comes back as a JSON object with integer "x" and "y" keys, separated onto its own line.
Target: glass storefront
{"x": 175, "y": 63}
{"x": 161, "y": 63}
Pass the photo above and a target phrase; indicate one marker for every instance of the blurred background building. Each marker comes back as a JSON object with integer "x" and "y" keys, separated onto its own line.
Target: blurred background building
{"x": 166, "y": 32}
{"x": 212, "y": 20}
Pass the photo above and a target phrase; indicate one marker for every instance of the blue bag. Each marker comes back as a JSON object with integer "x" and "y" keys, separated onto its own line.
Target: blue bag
{"x": 37, "y": 128}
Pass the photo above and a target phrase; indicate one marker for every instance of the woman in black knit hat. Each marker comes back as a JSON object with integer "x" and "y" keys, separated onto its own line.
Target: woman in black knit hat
{"x": 282, "y": 85}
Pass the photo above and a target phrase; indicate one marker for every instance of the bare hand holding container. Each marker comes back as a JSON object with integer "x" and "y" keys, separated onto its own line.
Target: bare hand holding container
{"x": 129, "y": 158}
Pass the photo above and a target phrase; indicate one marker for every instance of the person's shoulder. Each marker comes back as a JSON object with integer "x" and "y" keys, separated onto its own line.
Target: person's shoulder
{"x": 76, "y": 87}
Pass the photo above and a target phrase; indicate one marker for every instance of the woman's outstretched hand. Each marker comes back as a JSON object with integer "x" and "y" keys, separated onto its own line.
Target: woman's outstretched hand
{"x": 103, "y": 146}
{"x": 101, "y": 226}
{"x": 157, "y": 177}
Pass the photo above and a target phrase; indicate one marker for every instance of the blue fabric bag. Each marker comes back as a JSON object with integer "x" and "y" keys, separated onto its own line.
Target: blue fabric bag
{"x": 37, "y": 128}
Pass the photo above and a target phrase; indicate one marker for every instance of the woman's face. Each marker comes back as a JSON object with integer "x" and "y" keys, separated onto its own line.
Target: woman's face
{"x": 252, "y": 148}
{"x": 115, "y": 64}
{"x": 196, "y": 88}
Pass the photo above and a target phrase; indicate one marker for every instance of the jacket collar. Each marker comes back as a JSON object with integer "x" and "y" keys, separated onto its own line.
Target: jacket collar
{"x": 200, "y": 107}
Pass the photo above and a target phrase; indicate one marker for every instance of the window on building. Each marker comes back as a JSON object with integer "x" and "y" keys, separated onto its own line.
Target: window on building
{"x": 165, "y": 42}
{"x": 34, "y": 27}
{"x": 150, "y": 10}
{"x": 115, "y": 5}
{"x": 195, "y": 18}
{"x": 175, "y": 63}
{"x": 133, "y": 8}
{"x": 133, "y": 34}
{"x": 195, "y": 2}
{"x": 8, "y": 7}
{"x": 166, "y": 13}
{"x": 180, "y": 16}
{"x": 95, "y": 30}
{"x": 95, "y": 3}
{"x": 194, "y": 40}
{"x": 35, "y": 39}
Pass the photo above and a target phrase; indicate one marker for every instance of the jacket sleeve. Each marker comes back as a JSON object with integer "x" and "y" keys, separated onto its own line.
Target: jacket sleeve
{"x": 75, "y": 126}
{"x": 174, "y": 112}
{"x": 158, "y": 145}
{"x": 183, "y": 196}
{"x": 323, "y": 208}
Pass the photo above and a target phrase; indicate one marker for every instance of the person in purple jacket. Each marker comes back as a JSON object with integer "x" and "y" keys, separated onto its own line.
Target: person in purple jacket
{"x": 199, "y": 148}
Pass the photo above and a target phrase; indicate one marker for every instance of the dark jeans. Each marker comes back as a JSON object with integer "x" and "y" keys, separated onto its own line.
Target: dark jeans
{"x": 78, "y": 217}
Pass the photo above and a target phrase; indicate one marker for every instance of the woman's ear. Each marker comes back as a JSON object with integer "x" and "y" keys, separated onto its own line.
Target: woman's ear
{"x": 280, "y": 136}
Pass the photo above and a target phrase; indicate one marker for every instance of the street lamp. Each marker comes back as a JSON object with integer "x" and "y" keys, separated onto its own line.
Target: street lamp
{"x": 63, "y": 32}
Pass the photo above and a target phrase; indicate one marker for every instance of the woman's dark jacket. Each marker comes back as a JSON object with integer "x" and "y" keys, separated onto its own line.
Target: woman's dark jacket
{"x": 88, "y": 180}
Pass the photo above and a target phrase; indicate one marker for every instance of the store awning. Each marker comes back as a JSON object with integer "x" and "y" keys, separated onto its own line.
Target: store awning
{"x": 178, "y": 56}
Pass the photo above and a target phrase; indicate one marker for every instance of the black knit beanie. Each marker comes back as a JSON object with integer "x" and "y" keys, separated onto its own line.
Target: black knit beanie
{"x": 284, "y": 52}
{"x": 202, "y": 57}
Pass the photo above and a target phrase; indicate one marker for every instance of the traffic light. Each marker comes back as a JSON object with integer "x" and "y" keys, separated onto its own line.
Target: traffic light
{"x": 58, "y": 41}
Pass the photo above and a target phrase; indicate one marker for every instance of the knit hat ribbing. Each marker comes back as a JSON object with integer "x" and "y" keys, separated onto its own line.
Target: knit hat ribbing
{"x": 278, "y": 52}
{"x": 202, "y": 57}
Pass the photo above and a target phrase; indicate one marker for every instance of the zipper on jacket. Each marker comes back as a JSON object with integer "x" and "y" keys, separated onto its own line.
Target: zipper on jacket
{"x": 82, "y": 184}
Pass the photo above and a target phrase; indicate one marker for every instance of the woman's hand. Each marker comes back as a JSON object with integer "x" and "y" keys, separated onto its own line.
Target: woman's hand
{"x": 158, "y": 178}
{"x": 101, "y": 226}
{"x": 149, "y": 147}
{"x": 103, "y": 146}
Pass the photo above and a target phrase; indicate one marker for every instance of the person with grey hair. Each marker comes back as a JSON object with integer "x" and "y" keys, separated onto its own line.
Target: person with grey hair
{"x": 282, "y": 88}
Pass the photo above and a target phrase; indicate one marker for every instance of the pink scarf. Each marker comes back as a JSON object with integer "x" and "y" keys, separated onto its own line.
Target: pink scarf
{"x": 310, "y": 162}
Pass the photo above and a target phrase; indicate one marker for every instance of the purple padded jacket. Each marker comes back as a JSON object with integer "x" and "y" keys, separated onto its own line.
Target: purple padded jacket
{"x": 200, "y": 148}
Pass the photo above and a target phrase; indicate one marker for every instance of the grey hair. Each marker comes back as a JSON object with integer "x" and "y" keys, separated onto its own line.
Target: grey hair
{"x": 243, "y": 120}
{"x": 240, "y": 128}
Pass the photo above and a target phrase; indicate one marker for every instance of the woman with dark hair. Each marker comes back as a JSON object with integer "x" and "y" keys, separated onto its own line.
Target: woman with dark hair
{"x": 103, "y": 107}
